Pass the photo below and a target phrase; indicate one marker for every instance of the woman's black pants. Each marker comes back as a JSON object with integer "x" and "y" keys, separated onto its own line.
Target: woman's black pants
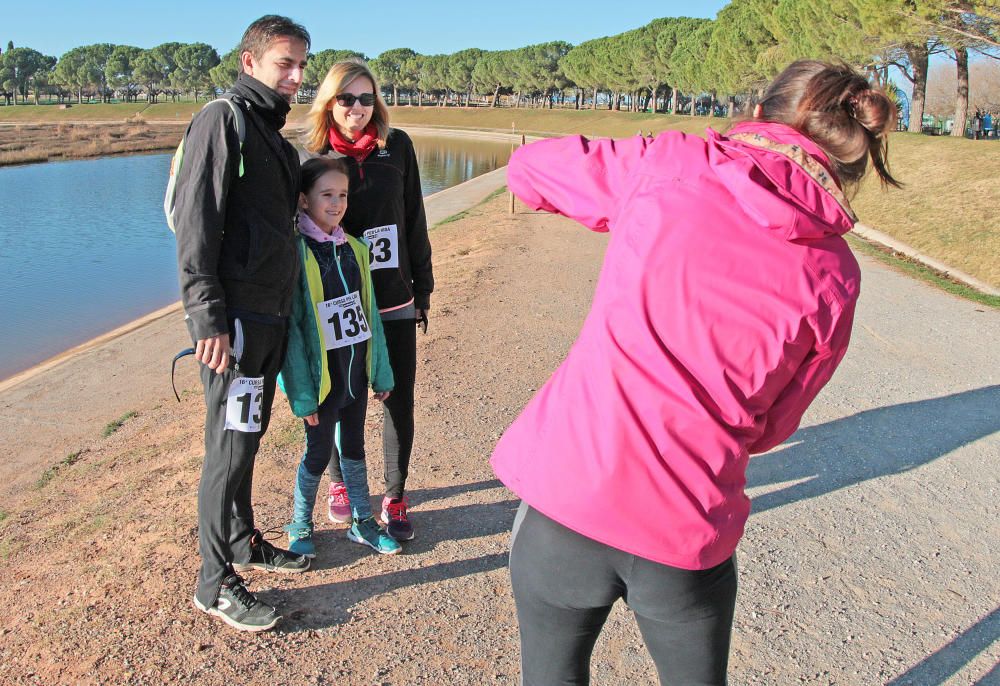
{"x": 565, "y": 585}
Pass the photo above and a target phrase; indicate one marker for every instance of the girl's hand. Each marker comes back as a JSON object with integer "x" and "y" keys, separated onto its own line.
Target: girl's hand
{"x": 381, "y": 397}
{"x": 313, "y": 419}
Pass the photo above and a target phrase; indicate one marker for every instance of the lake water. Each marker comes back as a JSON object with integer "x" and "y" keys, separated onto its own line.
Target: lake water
{"x": 84, "y": 247}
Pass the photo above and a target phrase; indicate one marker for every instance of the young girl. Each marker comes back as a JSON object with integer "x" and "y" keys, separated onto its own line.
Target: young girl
{"x": 336, "y": 348}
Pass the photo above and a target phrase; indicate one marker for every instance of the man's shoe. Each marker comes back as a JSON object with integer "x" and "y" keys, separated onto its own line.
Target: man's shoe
{"x": 368, "y": 532}
{"x": 338, "y": 504}
{"x": 300, "y": 539}
{"x": 395, "y": 518}
{"x": 239, "y": 608}
{"x": 265, "y": 556}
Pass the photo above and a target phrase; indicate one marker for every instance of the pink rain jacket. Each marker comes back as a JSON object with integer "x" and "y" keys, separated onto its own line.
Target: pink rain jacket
{"x": 724, "y": 305}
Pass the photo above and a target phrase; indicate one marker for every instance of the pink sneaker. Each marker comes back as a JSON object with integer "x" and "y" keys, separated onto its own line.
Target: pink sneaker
{"x": 338, "y": 505}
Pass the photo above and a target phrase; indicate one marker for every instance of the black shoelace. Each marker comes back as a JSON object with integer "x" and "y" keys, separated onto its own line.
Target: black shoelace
{"x": 268, "y": 551}
{"x": 239, "y": 590}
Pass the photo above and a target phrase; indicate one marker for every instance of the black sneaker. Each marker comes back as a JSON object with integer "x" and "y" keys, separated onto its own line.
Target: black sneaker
{"x": 265, "y": 556}
{"x": 239, "y": 608}
{"x": 396, "y": 519}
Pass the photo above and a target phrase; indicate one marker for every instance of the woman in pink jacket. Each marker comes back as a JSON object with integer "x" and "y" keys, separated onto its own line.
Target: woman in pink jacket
{"x": 724, "y": 305}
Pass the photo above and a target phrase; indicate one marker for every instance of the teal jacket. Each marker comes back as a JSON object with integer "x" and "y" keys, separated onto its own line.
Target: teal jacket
{"x": 304, "y": 377}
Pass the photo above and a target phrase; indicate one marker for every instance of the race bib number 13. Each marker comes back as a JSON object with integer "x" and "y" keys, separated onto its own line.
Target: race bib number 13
{"x": 243, "y": 404}
{"x": 383, "y": 241}
{"x": 343, "y": 321}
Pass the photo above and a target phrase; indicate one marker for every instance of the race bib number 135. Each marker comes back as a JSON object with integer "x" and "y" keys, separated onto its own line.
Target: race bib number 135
{"x": 343, "y": 321}
{"x": 383, "y": 241}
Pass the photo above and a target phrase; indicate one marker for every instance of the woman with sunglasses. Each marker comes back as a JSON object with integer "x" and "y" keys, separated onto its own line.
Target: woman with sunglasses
{"x": 349, "y": 120}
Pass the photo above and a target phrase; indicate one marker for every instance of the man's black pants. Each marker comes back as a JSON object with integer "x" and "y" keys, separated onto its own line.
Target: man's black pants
{"x": 225, "y": 516}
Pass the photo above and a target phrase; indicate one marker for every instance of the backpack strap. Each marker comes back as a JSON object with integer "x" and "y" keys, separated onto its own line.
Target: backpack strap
{"x": 241, "y": 123}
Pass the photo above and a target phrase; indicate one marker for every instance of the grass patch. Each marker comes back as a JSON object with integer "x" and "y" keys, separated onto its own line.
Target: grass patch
{"x": 453, "y": 218}
{"x": 41, "y": 142}
{"x": 51, "y": 472}
{"x": 163, "y": 111}
{"x": 46, "y": 477}
{"x": 116, "y": 424}
{"x": 3, "y": 515}
{"x": 948, "y": 206}
{"x": 71, "y": 459}
{"x": 550, "y": 122}
{"x": 495, "y": 194}
{"x": 921, "y": 271}
{"x": 458, "y": 216}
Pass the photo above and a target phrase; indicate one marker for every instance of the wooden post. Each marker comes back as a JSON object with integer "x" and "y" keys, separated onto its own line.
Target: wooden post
{"x": 509, "y": 192}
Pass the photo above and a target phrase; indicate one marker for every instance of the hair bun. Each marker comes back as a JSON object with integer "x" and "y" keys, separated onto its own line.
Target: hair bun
{"x": 873, "y": 110}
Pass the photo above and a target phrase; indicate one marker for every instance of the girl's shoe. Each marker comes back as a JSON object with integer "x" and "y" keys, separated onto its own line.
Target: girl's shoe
{"x": 338, "y": 504}
{"x": 368, "y": 532}
{"x": 300, "y": 540}
{"x": 396, "y": 519}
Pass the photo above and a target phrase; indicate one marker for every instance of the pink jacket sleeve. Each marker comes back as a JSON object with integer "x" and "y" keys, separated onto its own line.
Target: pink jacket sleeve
{"x": 785, "y": 414}
{"x": 575, "y": 177}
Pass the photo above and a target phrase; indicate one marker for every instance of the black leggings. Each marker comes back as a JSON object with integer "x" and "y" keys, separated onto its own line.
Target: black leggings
{"x": 397, "y": 428}
{"x": 565, "y": 585}
{"x": 340, "y": 434}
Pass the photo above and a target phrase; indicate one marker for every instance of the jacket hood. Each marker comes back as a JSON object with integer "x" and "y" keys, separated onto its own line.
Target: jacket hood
{"x": 781, "y": 178}
{"x": 266, "y": 101}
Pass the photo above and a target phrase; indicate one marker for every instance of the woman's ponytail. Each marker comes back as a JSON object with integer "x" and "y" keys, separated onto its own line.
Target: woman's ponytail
{"x": 838, "y": 110}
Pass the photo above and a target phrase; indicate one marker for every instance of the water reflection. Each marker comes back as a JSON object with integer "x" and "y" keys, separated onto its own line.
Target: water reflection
{"x": 445, "y": 162}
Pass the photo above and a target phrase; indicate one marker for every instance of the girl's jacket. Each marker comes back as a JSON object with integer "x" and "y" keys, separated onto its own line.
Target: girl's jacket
{"x": 305, "y": 377}
{"x": 724, "y": 305}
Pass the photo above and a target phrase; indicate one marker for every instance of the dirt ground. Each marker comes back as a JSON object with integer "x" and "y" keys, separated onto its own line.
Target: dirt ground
{"x": 862, "y": 564}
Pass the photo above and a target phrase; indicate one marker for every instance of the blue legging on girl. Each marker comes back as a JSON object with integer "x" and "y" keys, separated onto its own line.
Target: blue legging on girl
{"x": 340, "y": 435}
{"x": 565, "y": 585}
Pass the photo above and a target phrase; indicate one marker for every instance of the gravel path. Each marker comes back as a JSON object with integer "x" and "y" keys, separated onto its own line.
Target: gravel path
{"x": 871, "y": 556}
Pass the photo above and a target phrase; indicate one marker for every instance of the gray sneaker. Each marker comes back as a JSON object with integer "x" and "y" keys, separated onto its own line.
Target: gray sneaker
{"x": 267, "y": 557}
{"x": 239, "y": 608}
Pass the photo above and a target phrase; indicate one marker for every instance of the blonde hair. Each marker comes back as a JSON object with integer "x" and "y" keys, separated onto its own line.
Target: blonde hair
{"x": 320, "y": 117}
{"x": 838, "y": 110}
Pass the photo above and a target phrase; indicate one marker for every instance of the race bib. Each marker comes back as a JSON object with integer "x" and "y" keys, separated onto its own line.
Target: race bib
{"x": 343, "y": 321}
{"x": 383, "y": 244}
{"x": 243, "y": 404}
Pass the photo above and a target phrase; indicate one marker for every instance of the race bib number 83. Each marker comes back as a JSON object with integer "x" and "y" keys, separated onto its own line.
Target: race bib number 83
{"x": 383, "y": 242}
{"x": 343, "y": 321}
{"x": 243, "y": 404}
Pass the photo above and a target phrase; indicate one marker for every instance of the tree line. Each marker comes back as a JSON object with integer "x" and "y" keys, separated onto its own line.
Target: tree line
{"x": 676, "y": 64}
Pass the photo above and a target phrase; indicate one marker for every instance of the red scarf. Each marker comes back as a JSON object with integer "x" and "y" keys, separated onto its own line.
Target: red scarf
{"x": 360, "y": 148}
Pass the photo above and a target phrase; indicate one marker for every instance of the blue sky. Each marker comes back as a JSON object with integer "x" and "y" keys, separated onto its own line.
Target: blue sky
{"x": 431, "y": 26}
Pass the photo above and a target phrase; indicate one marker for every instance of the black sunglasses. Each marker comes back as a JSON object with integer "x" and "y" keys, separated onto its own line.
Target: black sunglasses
{"x": 348, "y": 99}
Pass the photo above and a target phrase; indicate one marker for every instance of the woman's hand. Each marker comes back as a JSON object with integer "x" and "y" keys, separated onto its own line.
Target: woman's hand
{"x": 381, "y": 397}
{"x": 313, "y": 419}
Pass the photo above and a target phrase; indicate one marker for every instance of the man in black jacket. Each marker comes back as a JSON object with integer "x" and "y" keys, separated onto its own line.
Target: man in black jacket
{"x": 238, "y": 264}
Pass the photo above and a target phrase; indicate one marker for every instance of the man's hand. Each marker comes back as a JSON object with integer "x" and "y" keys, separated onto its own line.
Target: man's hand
{"x": 213, "y": 352}
{"x": 312, "y": 419}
